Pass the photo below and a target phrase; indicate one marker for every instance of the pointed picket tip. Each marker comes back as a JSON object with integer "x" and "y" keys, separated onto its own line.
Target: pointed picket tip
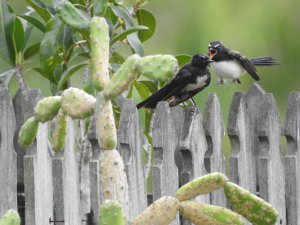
{"x": 236, "y": 108}
{"x": 128, "y": 112}
{"x": 269, "y": 113}
{"x": 291, "y": 125}
{"x": 255, "y": 90}
{"x": 212, "y": 114}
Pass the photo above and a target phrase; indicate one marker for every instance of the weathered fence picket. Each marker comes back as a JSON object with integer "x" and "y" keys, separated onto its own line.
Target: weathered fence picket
{"x": 64, "y": 188}
{"x": 292, "y": 157}
{"x": 214, "y": 159}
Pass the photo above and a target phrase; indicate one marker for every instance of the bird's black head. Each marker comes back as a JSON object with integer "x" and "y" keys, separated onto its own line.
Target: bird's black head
{"x": 200, "y": 60}
{"x": 215, "y": 49}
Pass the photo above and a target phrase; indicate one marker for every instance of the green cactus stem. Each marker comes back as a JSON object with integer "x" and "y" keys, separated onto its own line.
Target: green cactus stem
{"x": 28, "y": 132}
{"x": 47, "y": 108}
{"x": 99, "y": 34}
{"x": 113, "y": 178}
{"x": 77, "y": 104}
{"x": 73, "y": 17}
{"x": 105, "y": 124}
{"x": 253, "y": 208}
{"x": 59, "y": 133}
{"x": 162, "y": 212}
{"x": 11, "y": 217}
{"x": 204, "y": 214}
{"x": 158, "y": 67}
{"x": 122, "y": 78}
{"x": 201, "y": 185}
{"x": 111, "y": 213}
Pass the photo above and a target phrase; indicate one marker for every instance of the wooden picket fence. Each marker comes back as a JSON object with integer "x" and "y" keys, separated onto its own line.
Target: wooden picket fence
{"x": 64, "y": 188}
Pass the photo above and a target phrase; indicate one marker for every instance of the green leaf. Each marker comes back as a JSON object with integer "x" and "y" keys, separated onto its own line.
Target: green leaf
{"x": 49, "y": 46}
{"x": 142, "y": 89}
{"x": 32, "y": 50}
{"x": 100, "y": 7}
{"x": 152, "y": 86}
{"x": 147, "y": 19}
{"x": 126, "y": 32}
{"x": 34, "y": 22}
{"x": 116, "y": 58}
{"x": 19, "y": 36}
{"x": 40, "y": 8}
{"x": 183, "y": 59}
{"x": 69, "y": 72}
{"x": 122, "y": 13}
{"x": 73, "y": 17}
{"x": 7, "y": 17}
{"x": 28, "y": 32}
{"x": 136, "y": 44}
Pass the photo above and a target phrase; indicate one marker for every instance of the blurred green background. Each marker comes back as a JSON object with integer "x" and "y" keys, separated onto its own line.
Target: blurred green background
{"x": 254, "y": 28}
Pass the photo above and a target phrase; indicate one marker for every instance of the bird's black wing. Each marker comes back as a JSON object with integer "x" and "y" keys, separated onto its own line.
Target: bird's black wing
{"x": 182, "y": 78}
{"x": 247, "y": 65}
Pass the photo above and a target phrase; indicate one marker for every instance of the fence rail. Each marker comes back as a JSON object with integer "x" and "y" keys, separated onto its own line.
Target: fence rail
{"x": 64, "y": 188}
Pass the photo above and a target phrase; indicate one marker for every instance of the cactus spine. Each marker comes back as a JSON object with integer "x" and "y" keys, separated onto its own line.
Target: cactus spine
{"x": 111, "y": 213}
{"x": 99, "y": 34}
{"x": 253, "y": 208}
{"x": 11, "y": 217}
{"x": 200, "y": 186}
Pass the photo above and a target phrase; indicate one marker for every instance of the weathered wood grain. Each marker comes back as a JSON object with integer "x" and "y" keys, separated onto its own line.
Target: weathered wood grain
{"x": 292, "y": 159}
{"x": 214, "y": 159}
{"x": 130, "y": 149}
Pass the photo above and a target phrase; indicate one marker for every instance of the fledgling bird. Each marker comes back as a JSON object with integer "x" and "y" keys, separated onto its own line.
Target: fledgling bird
{"x": 229, "y": 64}
{"x": 190, "y": 79}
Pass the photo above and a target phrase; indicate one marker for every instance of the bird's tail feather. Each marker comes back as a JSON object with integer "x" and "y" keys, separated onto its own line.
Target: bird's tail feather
{"x": 152, "y": 101}
{"x": 264, "y": 61}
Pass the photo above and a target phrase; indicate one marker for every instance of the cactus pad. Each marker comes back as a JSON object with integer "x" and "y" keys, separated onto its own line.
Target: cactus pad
{"x": 111, "y": 213}
{"x": 11, "y": 217}
{"x": 47, "y": 108}
{"x": 60, "y": 132}
{"x": 200, "y": 186}
{"x": 162, "y": 212}
{"x": 122, "y": 78}
{"x": 77, "y": 104}
{"x": 204, "y": 214}
{"x": 253, "y": 208}
{"x": 28, "y": 132}
{"x": 158, "y": 67}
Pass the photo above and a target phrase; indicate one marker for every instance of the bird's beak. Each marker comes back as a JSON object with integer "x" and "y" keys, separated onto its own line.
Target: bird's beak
{"x": 212, "y": 53}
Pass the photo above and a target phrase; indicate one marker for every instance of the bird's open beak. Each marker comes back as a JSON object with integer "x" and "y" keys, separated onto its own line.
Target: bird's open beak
{"x": 212, "y": 53}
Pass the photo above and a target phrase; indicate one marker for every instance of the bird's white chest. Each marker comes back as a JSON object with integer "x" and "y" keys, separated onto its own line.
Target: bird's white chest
{"x": 200, "y": 82}
{"x": 227, "y": 69}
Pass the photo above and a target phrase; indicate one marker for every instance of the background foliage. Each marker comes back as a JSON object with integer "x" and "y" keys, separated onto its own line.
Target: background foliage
{"x": 255, "y": 28}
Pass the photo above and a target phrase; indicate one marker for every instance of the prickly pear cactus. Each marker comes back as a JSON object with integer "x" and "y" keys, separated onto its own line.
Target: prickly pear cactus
{"x": 59, "y": 133}
{"x": 201, "y": 185}
{"x": 111, "y": 213}
{"x": 204, "y": 214}
{"x": 162, "y": 212}
{"x": 122, "y": 78}
{"x": 158, "y": 67}
{"x": 99, "y": 52}
{"x": 77, "y": 104}
{"x": 47, "y": 108}
{"x": 253, "y": 208}
{"x": 11, "y": 217}
{"x": 28, "y": 132}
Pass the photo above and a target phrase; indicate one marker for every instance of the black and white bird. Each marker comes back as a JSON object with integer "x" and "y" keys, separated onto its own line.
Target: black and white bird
{"x": 190, "y": 80}
{"x": 229, "y": 64}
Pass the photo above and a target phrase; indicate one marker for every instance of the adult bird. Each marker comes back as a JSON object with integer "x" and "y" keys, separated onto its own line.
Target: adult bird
{"x": 190, "y": 79}
{"x": 230, "y": 64}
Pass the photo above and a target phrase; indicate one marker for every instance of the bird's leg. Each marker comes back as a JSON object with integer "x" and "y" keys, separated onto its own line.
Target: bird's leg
{"x": 220, "y": 81}
{"x": 185, "y": 106}
{"x": 193, "y": 101}
{"x": 234, "y": 81}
